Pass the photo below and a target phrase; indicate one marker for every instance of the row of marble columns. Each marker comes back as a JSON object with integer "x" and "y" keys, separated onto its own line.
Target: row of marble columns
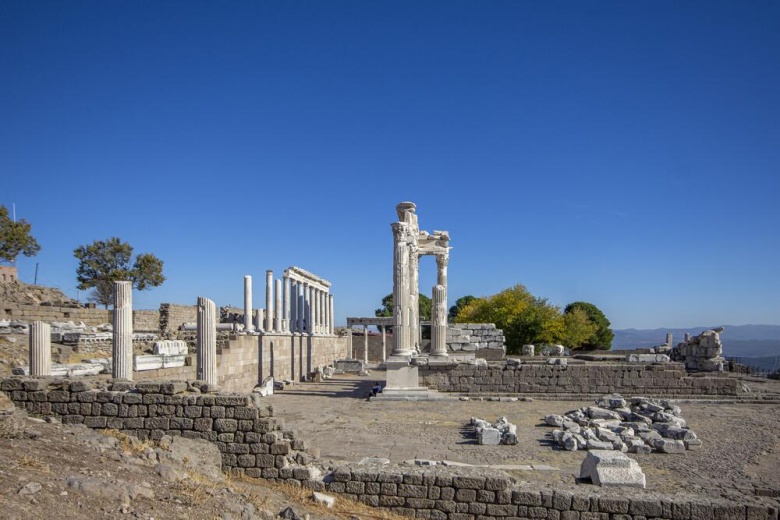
{"x": 350, "y": 349}
{"x": 290, "y": 306}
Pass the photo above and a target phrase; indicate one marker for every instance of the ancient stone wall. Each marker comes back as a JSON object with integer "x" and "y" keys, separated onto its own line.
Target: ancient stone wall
{"x": 638, "y": 379}
{"x": 253, "y": 442}
{"x": 292, "y": 356}
{"x": 374, "y": 346}
{"x": 49, "y": 313}
{"x": 482, "y": 338}
{"x": 172, "y": 316}
{"x": 146, "y": 321}
{"x": 465, "y": 493}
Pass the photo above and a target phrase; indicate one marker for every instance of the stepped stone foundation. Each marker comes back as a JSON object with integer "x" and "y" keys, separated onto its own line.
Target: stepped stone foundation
{"x": 636, "y": 379}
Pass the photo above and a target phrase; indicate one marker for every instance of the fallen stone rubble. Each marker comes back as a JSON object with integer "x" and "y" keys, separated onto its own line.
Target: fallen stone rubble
{"x": 639, "y": 425}
{"x": 502, "y": 432}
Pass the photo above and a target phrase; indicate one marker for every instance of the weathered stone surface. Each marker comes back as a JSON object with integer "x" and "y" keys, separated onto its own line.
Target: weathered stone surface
{"x": 611, "y": 468}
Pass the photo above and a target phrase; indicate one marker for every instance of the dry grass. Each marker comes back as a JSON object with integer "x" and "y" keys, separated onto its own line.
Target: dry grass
{"x": 343, "y": 507}
{"x": 129, "y": 445}
{"x": 33, "y": 463}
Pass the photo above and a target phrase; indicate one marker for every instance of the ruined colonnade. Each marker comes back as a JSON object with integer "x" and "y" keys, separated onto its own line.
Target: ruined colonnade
{"x": 409, "y": 243}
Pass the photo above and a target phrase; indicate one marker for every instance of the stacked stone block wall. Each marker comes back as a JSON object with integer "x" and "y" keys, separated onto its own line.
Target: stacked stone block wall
{"x": 484, "y": 494}
{"x": 253, "y": 442}
{"x": 374, "y": 346}
{"x": 484, "y": 339}
{"x": 293, "y": 356}
{"x": 50, "y": 313}
{"x": 662, "y": 379}
{"x": 172, "y": 316}
{"x": 146, "y": 321}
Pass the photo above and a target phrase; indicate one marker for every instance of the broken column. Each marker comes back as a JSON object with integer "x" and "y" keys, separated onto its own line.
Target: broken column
{"x": 40, "y": 349}
{"x": 269, "y": 301}
{"x": 248, "y": 325}
{"x": 123, "y": 331}
{"x": 207, "y": 341}
{"x": 439, "y": 322}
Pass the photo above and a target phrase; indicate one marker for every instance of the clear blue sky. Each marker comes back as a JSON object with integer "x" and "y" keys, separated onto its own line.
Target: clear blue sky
{"x": 622, "y": 153}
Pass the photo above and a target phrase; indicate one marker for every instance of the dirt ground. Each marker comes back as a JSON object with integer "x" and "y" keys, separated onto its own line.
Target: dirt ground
{"x": 55, "y": 471}
{"x": 740, "y": 452}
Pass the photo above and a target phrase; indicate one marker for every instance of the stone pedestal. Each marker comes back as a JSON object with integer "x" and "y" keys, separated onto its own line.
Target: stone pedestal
{"x": 123, "y": 331}
{"x": 207, "y": 341}
{"x": 40, "y": 349}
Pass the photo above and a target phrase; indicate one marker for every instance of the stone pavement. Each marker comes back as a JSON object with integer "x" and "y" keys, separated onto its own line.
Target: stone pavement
{"x": 336, "y": 417}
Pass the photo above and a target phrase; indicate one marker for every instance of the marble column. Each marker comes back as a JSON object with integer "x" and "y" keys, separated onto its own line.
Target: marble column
{"x": 301, "y": 307}
{"x": 123, "y": 331}
{"x": 40, "y": 349}
{"x": 669, "y": 339}
{"x": 439, "y": 322}
{"x": 414, "y": 293}
{"x": 384, "y": 343}
{"x": 286, "y": 305}
{"x": 248, "y": 325}
{"x": 207, "y": 341}
{"x": 315, "y": 318}
{"x": 293, "y": 306}
{"x": 269, "y": 301}
{"x": 323, "y": 313}
{"x": 442, "y": 260}
{"x": 365, "y": 344}
{"x": 278, "y": 307}
{"x": 307, "y": 308}
{"x": 401, "y": 312}
{"x": 332, "y": 321}
{"x": 349, "y": 343}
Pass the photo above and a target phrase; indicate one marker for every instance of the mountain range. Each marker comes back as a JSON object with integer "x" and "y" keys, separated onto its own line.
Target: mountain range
{"x": 738, "y": 340}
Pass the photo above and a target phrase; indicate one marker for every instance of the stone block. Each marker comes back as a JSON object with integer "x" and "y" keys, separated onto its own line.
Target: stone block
{"x": 612, "y": 468}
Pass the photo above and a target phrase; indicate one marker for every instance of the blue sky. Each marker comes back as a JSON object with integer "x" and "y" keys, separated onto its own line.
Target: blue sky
{"x": 622, "y": 153}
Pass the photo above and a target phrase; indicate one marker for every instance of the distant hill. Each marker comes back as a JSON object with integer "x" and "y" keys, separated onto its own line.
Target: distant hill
{"x": 738, "y": 340}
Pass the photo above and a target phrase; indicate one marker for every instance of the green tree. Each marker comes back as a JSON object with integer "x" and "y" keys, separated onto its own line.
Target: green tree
{"x": 424, "y": 304}
{"x": 602, "y": 337}
{"x": 106, "y": 261}
{"x": 459, "y": 304}
{"x": 578, "y": 329}
{"x": 539, "y": 323}
{"x": 15, "y": 238}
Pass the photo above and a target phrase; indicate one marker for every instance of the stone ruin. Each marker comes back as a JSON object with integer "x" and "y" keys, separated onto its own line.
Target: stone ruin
{"x": 502, "y": 432}
{"x": 702, "y": 352}
{"x": 643, "y": 426}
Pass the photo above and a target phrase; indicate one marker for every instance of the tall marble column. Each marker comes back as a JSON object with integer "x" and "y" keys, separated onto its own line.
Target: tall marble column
{"x": 301, "y": 307}
{"x": 269, "y": 301}
{"x": 401, "y": 312}
{"x": 384, "y": 343}
{"x": 365, "y": 344}
{"x": 349, "y": 343}
{"x": 207, "y": 341}
{"x": 441, "y": 272}
{"x": 323, "y": 313}
{"x": 293, "y": 306}
{"x": 40, "y": 349}
{"x": 286, "y": 305}
{"x": 123, "y": 331}
{"x": 332, "y": 321}
{"x": 414, "y": 293}
{"x": 315, "y": 318}
{"x": 307, "y": 308}
{"x": 278, "y": 307}
{"x": 439, "y": 322}
{"x": 248, "y": 325}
